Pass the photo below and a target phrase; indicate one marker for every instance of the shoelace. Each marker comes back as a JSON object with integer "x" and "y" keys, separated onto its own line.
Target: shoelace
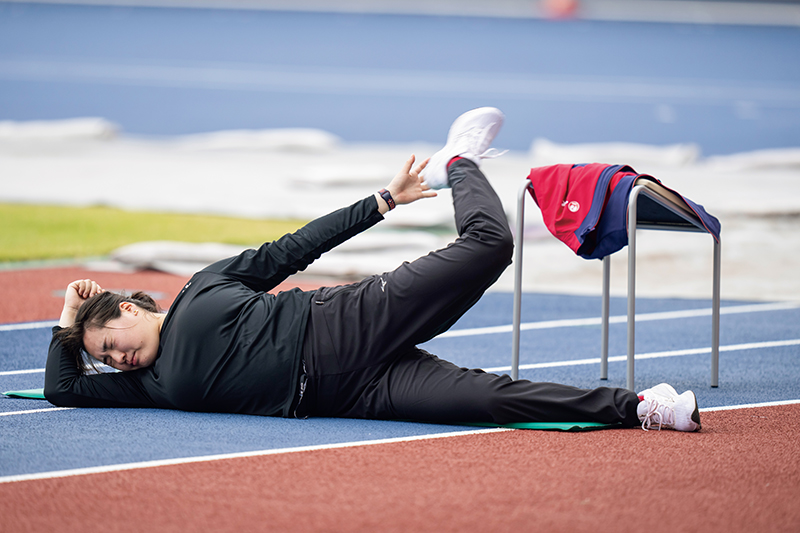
{"x": 665, "y": 414}
{"x": 473, "y": 135}
{"x": 491, "y": 153}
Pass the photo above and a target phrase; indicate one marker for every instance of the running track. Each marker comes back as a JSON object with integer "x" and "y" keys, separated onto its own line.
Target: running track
{"x": 228, "y": 472}
{"x": 176, "y": 71}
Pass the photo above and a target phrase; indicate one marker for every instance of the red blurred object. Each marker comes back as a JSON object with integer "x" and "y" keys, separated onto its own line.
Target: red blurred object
{"x": 560, "y": 9}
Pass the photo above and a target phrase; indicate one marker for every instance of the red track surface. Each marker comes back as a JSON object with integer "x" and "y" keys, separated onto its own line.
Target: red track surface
{"x": 38, "y": 294}
{"x": 741, "y": 473}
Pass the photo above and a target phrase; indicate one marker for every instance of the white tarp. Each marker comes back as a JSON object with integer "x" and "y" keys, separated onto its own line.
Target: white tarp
{"x": 306, "y": 174}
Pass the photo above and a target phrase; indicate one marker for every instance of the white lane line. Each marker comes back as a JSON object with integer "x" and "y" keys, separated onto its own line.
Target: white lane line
{"x": 653, "y": 355}
{"x": 218, "y": 457}
{"x": 749, "y": 405}
{"x": 546, "y": 324}
{"x": 576, "y": 362}
{"x": 28, "y": 325}
{"x": 621, "y": 319}
{"x": 30, "y": 411}
{"x": 590, "y": 361}
{"x": 18, "y": 372}
{"x": 259, "y": 77}
{"x": 550, "y": 324}
{"x": 579, "y": 362}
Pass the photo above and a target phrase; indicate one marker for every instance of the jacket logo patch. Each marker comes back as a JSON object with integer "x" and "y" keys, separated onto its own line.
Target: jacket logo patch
{"x": 572, "y": 206}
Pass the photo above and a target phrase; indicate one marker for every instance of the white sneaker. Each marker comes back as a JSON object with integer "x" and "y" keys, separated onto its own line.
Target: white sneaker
{"x": 469, "y": 137}
{"x": 663, "y": 391}
{"x": 663, "y": 405}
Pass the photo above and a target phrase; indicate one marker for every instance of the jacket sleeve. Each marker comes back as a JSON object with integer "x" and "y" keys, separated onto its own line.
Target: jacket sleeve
{"x": 66, "y": 386}
{"x": 264, "y": 268}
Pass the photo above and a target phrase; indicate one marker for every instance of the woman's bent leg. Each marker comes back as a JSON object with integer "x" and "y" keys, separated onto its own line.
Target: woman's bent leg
{"x": 356, "y": 331}
{"x": 418, "y": 300}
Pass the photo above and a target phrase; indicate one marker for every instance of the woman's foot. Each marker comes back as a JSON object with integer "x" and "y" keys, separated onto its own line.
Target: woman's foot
{"x": 662, "y": 406}
{"x": 469, "y": 137}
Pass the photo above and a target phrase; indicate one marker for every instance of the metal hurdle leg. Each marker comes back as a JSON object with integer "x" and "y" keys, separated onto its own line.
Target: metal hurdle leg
{"x": 604, "y": 312}
{"x": 715, "y": 297}
{"x": 632, "y": 204}
{"x": 518, "y": 280}
{"x": 715, "y": 302}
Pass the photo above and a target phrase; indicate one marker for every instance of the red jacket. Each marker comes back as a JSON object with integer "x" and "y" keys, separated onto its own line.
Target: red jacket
{"x": 586, "y": 206}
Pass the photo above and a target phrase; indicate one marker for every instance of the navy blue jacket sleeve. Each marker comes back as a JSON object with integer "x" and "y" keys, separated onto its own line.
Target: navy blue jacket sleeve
{"x": 264, "y": 268}
{"x": 66, "y": 386}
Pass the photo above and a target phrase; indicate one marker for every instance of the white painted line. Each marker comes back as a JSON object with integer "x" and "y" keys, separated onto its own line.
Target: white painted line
{"x": 576, "y": 362}
{"x": 218, "y": 457}
{"x": 339, "y": 80}
{"x": 749, "y": 406}
{"x": 590, "y": 361}
{"x": 653, "y": 355}
{"x": 621, "y": 319}
{"x": 30, "y": 411}
{"x": 18, "y": 372}
{"x": 546, "y": 324}
{"x": 28, "y": 325}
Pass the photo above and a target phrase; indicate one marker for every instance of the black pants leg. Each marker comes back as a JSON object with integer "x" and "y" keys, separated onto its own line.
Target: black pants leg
{"x": 360, "y": 347}
{"x": 420, "y": 386}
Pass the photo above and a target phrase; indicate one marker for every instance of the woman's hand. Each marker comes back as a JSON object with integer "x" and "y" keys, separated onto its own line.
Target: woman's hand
{"x": 77, "y": 292}
{"x": 407, "y": 186}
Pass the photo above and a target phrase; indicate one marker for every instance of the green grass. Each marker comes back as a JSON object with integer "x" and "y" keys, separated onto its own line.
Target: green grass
{"x": 34, "y": 232}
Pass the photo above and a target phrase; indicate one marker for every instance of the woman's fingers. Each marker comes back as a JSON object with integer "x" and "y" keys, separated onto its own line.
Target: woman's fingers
{"x": 416, "y": 171}
{"x": 408, "y": 164}
{"x": 86, "y": 288}
{"x": 408, "y": 186}
{"x": 95, "y": 289}
{"x": 92, "y": 289}
{"x": 421, "y": 166}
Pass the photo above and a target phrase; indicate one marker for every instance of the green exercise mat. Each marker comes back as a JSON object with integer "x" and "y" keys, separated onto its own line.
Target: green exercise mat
{"x": 547, "y": 426}
{"x": 38, "y": 394}
{"x": 551, "y": 426}
{"x": 31, "y": 394}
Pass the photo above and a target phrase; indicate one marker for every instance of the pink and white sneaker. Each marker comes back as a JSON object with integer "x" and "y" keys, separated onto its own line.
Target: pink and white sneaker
{"x": 469, "y": 137}
{"x": 663, "y": 406}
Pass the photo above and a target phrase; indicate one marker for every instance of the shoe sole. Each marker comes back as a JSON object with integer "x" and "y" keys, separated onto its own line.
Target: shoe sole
{"x": 464, "y": 120}
{"x": 696, "y": 413}
{"x": 695, "y": 416}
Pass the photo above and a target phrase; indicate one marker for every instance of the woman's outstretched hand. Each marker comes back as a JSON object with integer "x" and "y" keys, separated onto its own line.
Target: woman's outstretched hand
{"x": 77, "y": 292}
{"x": 407, "y": 186}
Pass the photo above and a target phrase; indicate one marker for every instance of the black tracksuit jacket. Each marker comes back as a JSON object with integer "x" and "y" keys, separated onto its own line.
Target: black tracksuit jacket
{"x": 226, "y": 344}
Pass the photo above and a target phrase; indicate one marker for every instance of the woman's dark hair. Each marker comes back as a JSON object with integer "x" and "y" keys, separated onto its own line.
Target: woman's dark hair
{"x": 95, "y": 313}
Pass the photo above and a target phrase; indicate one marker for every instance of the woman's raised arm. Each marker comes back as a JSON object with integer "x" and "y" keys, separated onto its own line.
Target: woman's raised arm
{"x": 77, "y": 292}
{"x": 264, "y": 268}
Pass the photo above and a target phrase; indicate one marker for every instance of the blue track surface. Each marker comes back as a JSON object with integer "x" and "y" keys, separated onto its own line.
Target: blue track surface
{"x": 80, "y": 438}
{"x": 159, "y": 71}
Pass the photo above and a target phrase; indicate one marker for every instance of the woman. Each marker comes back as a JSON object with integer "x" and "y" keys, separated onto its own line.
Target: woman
{"x": 226, "y": 345}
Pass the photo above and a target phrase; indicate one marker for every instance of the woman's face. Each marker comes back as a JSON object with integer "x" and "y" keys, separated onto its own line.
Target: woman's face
{"x": 129, "y": 342}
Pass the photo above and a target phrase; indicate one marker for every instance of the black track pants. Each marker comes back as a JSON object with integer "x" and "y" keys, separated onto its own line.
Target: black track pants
{"x": 360, "y": 348}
